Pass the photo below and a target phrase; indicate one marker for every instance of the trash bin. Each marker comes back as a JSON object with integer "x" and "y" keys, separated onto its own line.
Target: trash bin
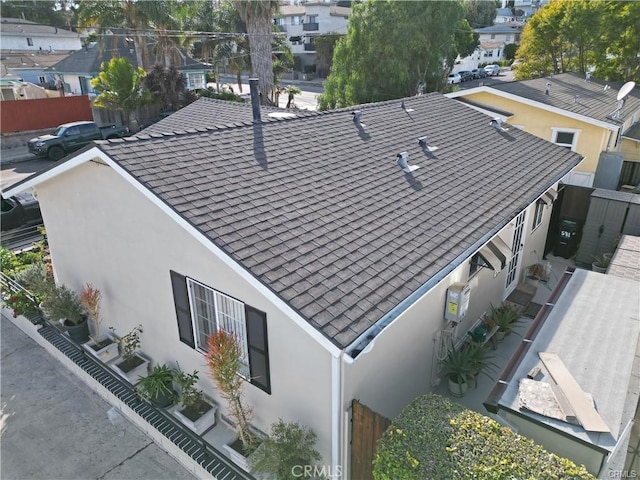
{"x": 568, "y": 238}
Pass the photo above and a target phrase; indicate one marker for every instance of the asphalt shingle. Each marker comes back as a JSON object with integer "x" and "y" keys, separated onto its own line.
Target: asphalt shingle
{"x": 350, "y": 234}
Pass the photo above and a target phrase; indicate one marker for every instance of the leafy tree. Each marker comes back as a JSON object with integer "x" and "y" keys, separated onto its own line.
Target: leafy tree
{"x": 325, "y": 46}
{"x": 120, "y": 86}
{"x": 510, "y": 51}
{"x": 258, "y": 18}
{"x": 46, "y": 12}
{"x": 435, "y": 438}
{"x": 167, "y": 86}
{"x": 480, "y": 13}
{"x": 390, "y": 49}
{"x": 582, "y": 35}
{"x": 287, "y": 446}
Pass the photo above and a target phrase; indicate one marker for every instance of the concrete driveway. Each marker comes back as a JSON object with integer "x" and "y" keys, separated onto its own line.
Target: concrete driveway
{"x": 53, "y": 427}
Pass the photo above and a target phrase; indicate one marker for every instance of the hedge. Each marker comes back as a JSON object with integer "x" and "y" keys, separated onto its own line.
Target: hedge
{"x": 436, "y": 438}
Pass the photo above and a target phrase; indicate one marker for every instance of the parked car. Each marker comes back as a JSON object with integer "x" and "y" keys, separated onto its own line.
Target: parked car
{"x": 72, "y": 136}
{"x": 466, "y": 75}
{"x": 492, "y": 70}
{"x": 478, "y": 73}
{"x": 453, "y": 78}
{"x": 20, "y": 210}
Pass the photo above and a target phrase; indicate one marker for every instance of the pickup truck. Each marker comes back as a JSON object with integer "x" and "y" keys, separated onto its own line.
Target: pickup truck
{"x": 72, "y": 136}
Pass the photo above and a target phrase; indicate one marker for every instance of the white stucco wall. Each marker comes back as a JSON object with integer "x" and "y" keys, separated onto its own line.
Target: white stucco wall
{"x": 103, "y": 231}
{"x": 40, "y": 42}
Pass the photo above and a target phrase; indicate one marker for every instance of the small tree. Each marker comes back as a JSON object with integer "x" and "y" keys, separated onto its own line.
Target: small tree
{"x": 121, "y": 86}
{"x": 291, "y": 90}
{"x": 168, "y": 88}
{"x": 90, "y": 300}
{"x": 223, "y": 360}
{"x": 288, "y": 445}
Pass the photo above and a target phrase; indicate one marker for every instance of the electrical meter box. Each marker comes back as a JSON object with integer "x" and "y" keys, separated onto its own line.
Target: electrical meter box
{"x": 457, "y": 304}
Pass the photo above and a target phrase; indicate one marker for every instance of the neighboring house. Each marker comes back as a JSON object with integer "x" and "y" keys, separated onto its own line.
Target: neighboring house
{"x": 504, "y": 15}
{"x": 310, "y": 239}
{"x": 21, "y": 35}
{"x": 28, "y": 48}
{"x": 302, "y": 23}
{"x": 527, "y": 8}
{"x": 494, "y": 38}
{"x": 591, "y": 322}
{"x": 79, "y": 68}
{"x": 578, "y": 113}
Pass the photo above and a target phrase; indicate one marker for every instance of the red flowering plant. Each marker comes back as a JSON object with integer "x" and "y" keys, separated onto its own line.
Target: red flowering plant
{"x": 20, "y": 302}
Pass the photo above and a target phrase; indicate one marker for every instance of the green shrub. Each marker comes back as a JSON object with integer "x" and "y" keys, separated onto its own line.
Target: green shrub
{"x": 435, "y": 438}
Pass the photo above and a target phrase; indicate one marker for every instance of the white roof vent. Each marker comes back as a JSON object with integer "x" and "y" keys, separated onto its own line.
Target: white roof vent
{"x": 404, "y": 107}
{"x": 547, "y": 88}
{"x": 576, "y": 99}
{"x": 499, "y": 125}
{"x": 401, "y": 159}
{"x": 357, "y": 115}
{"x": 587, "y": 76}
{"x": 424, "y": 143}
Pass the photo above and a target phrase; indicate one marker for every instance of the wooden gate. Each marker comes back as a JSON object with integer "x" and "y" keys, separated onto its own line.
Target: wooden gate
{"x": 367, "y": 428}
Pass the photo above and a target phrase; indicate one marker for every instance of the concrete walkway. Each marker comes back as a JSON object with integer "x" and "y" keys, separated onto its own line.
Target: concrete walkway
{"x": 9, "y": 156}
{"x": 52, "y": 426}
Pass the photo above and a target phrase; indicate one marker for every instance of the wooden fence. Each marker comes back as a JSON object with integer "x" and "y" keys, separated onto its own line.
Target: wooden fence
{"x": 367, "y": 428}
{"x": 43, "y": 113}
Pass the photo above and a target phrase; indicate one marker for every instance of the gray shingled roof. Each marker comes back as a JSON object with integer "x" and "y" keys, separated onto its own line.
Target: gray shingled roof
{"x": 207, "y": 113}
{"x": 89, "y": 60}
{"x": 594, "y": 101}
{"x": 318, "y": 210}
{"x": 18, "y": 26}
{"x": 500, "y": 28}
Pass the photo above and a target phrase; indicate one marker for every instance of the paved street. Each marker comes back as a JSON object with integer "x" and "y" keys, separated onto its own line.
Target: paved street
{"x": 53, "y": 427}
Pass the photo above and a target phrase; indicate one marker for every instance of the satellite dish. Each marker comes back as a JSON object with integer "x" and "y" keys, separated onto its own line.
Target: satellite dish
{"x": 625, "y": 90}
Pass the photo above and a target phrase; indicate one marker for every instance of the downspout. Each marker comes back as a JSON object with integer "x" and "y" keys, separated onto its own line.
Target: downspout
{"x": 337, "y": 393}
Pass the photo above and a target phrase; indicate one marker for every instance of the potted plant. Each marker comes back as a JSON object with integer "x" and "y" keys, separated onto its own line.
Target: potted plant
{"x": 505, "y": 317}
{"x": 601, "y": 262}
{"x": 105, "y": 348}
{"x": 157, "y": 387}
{"x": 536, "y": 273}
{"x": 63, "y": 304}
{"x": 288, "y": 445}
{"x": 223, "y": 359}
{"x": 132, "y": 366}
{"x": 194, "y": 410}
{"x": 458, "y": 369}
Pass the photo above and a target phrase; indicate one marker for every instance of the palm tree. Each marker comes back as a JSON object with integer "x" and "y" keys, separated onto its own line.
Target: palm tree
{"x": 163, "y": 17}
{"x": 120, "y": 86}
{"x": 258, "y": 18}
{"x": 110, "y": 14}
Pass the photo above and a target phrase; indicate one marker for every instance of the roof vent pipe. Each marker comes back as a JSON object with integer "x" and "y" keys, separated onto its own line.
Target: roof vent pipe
{"x": 547, "y": 88}
{"x": 424, "y": 143}
{"x": 401, "y": 159}
{"x": 587, "y": 76}
{"x": 357, "y": 115}
{"x": 255, "y": 99}
{"x": 576, "y": 99}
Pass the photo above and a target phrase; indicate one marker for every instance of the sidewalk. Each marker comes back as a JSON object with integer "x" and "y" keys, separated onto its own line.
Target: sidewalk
{"x": 9, "y": 156}
{"x": 54, "y": 427}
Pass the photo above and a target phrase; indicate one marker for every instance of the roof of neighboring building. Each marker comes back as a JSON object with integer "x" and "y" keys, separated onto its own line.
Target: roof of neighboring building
{"x": 209, "y": 113}
{"x": 39, "y": 60}
{"x": 318, "y": 210}
{"x": 18, "y": 26}
{"x": 633, "y": 132}
{"x": 626, "y": 259}
{"x": 594, "y": 101}
{"x": 504, "y": 12}
{"x": 88, "y": 61}
{"x": 594, "y": 327}
{"x": 500, "y": 28}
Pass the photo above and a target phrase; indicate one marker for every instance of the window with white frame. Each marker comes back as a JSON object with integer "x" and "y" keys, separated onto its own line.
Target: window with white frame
{"x": 195, "y": 80}
{"x": 488, "y": 53}
{"x": 213, "y": 311}
{"x": 295, "y": 20}
{"x": 565, "y": 137}
{"x": 538, "y": 215}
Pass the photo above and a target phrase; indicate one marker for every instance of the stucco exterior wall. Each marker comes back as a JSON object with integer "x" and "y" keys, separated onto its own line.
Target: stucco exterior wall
{"x": 44, "y": 43}
{"x": 103, "y": 231}
{"x": 402, "y": 363}
{"x": 539, "y": 122}
{"x": 630, "y": 149}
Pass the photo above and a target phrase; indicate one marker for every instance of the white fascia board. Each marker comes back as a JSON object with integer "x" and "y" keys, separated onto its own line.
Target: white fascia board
{"x": 243, "y": 273}
{"x": 533, "y": 103}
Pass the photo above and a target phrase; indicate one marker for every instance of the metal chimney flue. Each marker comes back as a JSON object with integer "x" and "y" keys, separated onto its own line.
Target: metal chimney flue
{"x": 255, "y": 99}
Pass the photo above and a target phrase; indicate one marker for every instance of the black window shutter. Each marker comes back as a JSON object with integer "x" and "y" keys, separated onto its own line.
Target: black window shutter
{"x": 183, "y": 311}
{"x": 258, "y": 348}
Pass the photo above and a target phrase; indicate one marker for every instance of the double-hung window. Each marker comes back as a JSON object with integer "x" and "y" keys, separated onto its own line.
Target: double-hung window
{"x": 213, "y": 311}
{"x": 202, "y": 311}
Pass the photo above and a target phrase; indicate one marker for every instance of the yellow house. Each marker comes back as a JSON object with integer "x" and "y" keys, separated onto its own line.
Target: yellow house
{"x": 583, "y": 114}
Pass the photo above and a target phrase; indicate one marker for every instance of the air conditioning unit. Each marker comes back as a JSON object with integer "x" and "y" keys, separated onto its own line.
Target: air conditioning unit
{"x": 457, "y": 303}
